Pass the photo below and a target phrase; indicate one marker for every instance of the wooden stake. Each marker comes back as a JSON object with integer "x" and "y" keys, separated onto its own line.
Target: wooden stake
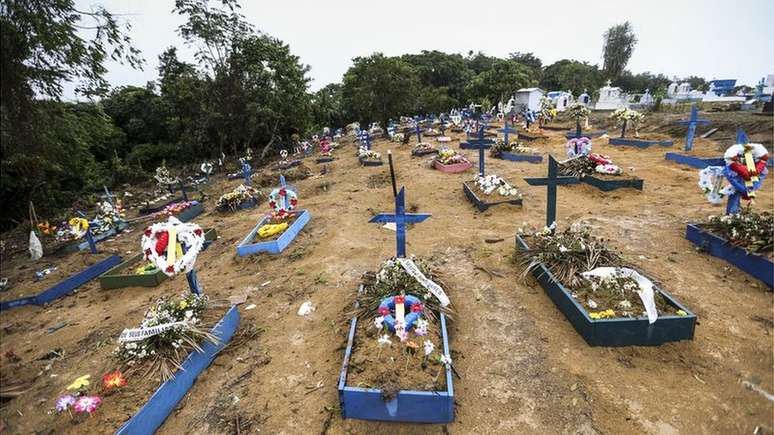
{"x": 392, "y": 175}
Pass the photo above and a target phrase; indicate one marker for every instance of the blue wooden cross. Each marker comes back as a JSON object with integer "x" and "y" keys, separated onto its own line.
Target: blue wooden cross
{"x": 481, "y": 143}
{"x": 109, "y": 196}
{"x": 246, "y": 171}
{"x": 551, "y": 181}
{"x": 89, "y": 235}
{"x": 692, "y": 123}
{"x": 193, "y": 282}
{"x": 506, "y": 130}
{"x": 400, "y": 218}
{"x": 418, "y": 128}
{"x": 365, "y": 139}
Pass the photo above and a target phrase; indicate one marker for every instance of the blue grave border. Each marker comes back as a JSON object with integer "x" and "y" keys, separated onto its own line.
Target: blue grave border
{"x": 616, "y": 331}
{"x": 65, "y": 286}
{"x": 756, "y": 265}
{"x": 589, "y": 134}
{"x": 520, "y": 157}
{"x": 152, "y": 415}
{"x": 607, "y": 185}
{"x": 700, "y": 162}
{"x": 191, "y": 212}
{"x": 639, "y": 143}
{"x": 365, "y": 162}
{"x": 247, "y": 247}
{"x": 481, "y": 205}
{"x": 407, "y": 406}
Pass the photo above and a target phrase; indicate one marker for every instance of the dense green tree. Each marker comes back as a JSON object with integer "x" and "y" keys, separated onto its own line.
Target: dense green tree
{"x": 571, "y": 75}
{"x": 140, "y": 113}
{"x": 500, "y": 81}
{"x": 642, "y": 81}
{"x": 617, "y": 48}
{"x": 328, "y": 107}
{"x": 437, "y": 69}
{"x": 529, "y": 60}
{"x": 377, "y": 88}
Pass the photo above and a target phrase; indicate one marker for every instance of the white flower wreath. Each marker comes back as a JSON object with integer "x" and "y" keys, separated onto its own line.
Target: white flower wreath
{"x": 155, "y": 242}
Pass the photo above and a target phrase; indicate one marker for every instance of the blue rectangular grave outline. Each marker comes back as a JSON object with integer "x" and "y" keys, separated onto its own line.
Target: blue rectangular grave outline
{"x": 365, "y": 162}
{"x": 245, "y": 247}
{"x": 609, "y": 185}
{"x": 639, "y": 143}
{"x": 616, "y": 331}
{"x": 483, "y": 206}
{"x": 520, "y": 157}
{"x": 700, "y": 162}
{"x": 65, "y": 286}
{"x": 156, "y": 410}
{"x": 191, "y": 212}
{"x": 757, "y": 266}
{"x": 589, "y": 134}
{"x": 368, "y": 404}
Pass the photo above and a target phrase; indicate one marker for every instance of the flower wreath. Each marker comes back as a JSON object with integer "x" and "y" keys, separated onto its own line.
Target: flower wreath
{"x": 737, "y": 172}
{"x": 155, "y": 242}
{"x": 413, "y": 303}
{"x": 283, "y": 201}
{"x": 78, "y": 227}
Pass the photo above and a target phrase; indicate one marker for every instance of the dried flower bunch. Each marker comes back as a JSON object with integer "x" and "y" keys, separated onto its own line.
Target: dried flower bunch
{"x": 749, "y": 230}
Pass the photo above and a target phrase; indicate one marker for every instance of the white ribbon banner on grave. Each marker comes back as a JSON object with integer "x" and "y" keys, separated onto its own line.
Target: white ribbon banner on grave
{"x": 646, "y": 286}
{"x": 434, "y": 288}
{"x": 139, "y": 334}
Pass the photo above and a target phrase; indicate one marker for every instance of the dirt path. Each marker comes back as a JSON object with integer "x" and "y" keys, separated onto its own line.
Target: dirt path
{"x": 524, "y": 368}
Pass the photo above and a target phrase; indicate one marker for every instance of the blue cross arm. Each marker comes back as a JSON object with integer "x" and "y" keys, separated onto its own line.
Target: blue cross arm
{"x": 547, "y": 181}
{"x": 409, "y": 218}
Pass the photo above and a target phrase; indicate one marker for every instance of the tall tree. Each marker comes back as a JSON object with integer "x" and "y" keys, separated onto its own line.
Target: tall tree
{"x": 500, "y": 81}
{"x": 618, "y": 46}
{"x": 571, "y": 75}
{"x": 377, "y": 88}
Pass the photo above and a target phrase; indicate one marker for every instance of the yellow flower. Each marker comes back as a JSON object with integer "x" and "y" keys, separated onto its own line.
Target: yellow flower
{"x": 602, "y": 314}
{"x": 681, "y": 313}
{"x": 183, "y": 304}
{"x": 79, "y": 383}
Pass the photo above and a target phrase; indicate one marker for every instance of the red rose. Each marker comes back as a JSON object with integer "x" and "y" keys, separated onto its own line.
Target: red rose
{"x": 384, "y": 311}
{"x": 148, "y": 232}
{"x": 272, "y": 204}
{"x": 162, "y": 240}
{"x": 282, "y": 192}
{"x": 170, "y": 269}
{"x": 198, "y": 231}
{"x": 400, "y": 299}
{"x": 417, "y": 308}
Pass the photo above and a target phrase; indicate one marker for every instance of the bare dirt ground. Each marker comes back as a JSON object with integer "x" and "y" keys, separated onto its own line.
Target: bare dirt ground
{"x": 524, "y": 368}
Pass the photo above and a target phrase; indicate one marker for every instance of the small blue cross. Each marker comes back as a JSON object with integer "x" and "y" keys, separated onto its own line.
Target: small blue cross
{"x": 246, "y": 171}
{"x": 193, "y": 282}
{"x": 400, "y": 218}
{"x": 551, "y": 181}
{"x": 418, "y": 128}
{"x": 481, "y": 144}
{"x": 506, "y": 130}
{"x": 692, "y": 123}
{"x": 109, "y": 196}
{"x": 735, "y": 199}
{"x": 89, "y": 235}
{"x": 365, "y": 139}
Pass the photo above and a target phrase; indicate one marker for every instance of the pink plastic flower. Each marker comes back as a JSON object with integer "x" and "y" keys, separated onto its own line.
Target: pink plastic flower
{"x": 87, "y": 404}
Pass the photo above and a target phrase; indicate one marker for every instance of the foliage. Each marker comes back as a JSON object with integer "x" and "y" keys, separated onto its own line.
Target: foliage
{"x": 500, "y": 81}
{"x": 573, "y": 76}
{"x": 377, "y": 88}
{"x": 642, "y": 81}
{"x": 749, "y": 230}
{"x": 567, "y": 253}
{"x": 441, "y": 75}
{"x": 327, "y": 108}
{"x": 617, "y": 48}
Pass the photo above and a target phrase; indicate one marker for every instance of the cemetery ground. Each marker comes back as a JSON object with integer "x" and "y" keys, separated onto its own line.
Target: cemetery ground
{"x": 523, "y": 367}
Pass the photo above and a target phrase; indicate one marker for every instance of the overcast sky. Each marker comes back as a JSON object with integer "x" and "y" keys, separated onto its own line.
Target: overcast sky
{"x": 710, "y": 38}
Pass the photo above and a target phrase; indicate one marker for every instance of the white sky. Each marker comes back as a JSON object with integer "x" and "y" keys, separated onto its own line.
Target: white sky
{"x": 710, "y": 38}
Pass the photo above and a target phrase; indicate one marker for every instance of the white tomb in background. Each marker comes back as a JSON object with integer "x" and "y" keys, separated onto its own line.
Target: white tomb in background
{"x": 561, "y": 99}
{"x": 585, "y": 98}
{"x": 610, "y": 98}
{"x": 529, "y": 97}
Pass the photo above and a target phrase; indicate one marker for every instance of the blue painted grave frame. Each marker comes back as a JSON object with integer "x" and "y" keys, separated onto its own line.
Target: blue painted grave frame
{"x": 156, "y": 410}
{"x": 758, "y": 266}
{"x": 248, "y": 247}
{"x": 616, "y": 331}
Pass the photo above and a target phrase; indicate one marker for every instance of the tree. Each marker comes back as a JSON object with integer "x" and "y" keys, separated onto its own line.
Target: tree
{"x": 500, "y": 81}
{"x": 618, "y": 46}
{"x": 377, "y": 88}
{"x": 571, "y": 75}
{"x": 437, "y": 69}
{"x": 328, "y": 107}
{"x": 642, "y": 81}
{"x": 529, "y": 60}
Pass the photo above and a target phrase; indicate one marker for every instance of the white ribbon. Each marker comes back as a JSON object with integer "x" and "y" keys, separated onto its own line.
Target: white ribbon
{"x": 140, "y": 334}
{"x": 434, "y": 288}
{"x": 646, "y": 286}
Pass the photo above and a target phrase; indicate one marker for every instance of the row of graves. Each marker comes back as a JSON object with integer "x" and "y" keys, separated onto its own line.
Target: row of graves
{"x": 401, "y": 313}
